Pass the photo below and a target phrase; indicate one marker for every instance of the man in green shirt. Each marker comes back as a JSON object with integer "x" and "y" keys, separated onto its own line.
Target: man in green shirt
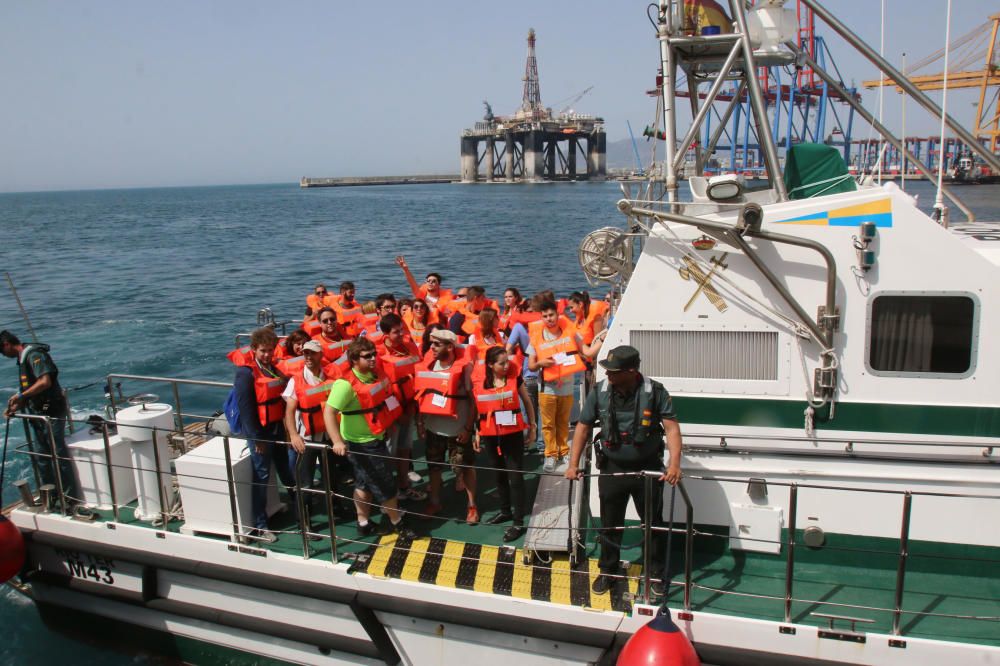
{"x": 347, "y": 426}
{"x": 40, "y": 394}
{"x": 636, "y": 416}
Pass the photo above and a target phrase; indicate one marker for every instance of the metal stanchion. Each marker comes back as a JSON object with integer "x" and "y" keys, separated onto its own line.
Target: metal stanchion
{"x": 328, "y": 489}
{"x": 111, "y": 470}
{"x": 164, "y": 517}
{"x": 300, "y": 504}
{"x": 647, "y": 540}
{"x": 178, "y": 415}
{"x": 904, "y": 552}
{"x": 232, "y": 489}
{"x": 30, "y": 439}
{"x": 793, "y": 503}
{"x": 55, "y": 465}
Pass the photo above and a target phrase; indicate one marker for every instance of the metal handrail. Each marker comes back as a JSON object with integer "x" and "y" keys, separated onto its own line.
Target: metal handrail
{"x": 787, "y": 598}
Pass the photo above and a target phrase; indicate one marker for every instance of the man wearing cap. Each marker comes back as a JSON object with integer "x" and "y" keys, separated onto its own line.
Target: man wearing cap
{"x": 447, "y": 421}
{"x": 39, "y": 393}
{"x": 636, "y": 416}
{"x": 304, "y": 396}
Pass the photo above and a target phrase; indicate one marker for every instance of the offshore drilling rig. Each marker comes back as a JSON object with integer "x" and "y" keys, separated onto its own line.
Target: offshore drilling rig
{"x": 534, "y": 143}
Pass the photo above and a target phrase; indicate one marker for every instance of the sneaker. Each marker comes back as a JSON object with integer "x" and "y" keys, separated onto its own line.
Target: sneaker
{"x": 472, "y": 516}
{"x": 514, "y": 532}
{"x": 367, "y": 529}
{"x": 414, "y": 477}
{"x": 264, "y": 536}
{"x": 432, "y": 509}
{"x": 602, "y": 583}
{"x": 412, "y": 493}
{"x": 501, "y": 517}
{"x": 402, "y": 531}
{"x": 550, "y": 464}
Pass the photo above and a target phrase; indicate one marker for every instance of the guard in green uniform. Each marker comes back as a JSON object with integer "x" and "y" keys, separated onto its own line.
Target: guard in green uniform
{"x": 636, "y": 416}
{"x": 41, "y": 394}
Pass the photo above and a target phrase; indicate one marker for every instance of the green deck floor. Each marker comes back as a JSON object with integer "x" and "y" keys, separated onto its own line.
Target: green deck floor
{"x": 849, "y": 576}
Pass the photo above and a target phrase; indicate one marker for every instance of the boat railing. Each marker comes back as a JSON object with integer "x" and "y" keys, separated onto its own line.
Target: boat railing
{"x": 980, "y": 449}
{"x": 649, "y": 529}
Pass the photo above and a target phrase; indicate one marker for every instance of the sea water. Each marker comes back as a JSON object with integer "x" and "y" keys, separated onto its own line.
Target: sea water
{"x": 159, "y": 282}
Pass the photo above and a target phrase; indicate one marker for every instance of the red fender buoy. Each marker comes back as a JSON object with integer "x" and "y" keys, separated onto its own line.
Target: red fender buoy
{"x": 660, "y": 642}
{"x": 11, "y": 550}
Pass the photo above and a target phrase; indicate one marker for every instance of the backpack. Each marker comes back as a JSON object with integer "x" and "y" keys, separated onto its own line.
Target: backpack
{"x": 231, "y": 409}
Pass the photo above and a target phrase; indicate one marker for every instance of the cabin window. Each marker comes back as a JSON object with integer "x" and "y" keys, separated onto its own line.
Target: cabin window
{"x": 922, "y": 334}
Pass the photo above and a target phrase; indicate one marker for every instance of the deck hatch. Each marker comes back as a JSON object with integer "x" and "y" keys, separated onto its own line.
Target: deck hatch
{"x": 742, "y": 355}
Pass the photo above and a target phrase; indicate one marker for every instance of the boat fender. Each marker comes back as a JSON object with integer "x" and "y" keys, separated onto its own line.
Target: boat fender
{"x": 660, "y": 642}
{"x": 11, "y": 550}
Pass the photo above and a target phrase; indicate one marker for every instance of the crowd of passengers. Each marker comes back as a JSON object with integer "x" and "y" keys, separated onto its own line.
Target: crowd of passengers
{"x": 453, "y": 369}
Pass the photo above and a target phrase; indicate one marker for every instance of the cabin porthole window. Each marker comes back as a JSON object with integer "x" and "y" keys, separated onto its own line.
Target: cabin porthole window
{"x": 924, "y": 334}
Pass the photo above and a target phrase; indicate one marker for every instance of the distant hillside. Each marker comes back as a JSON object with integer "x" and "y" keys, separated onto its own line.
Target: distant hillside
{"x": 621, "y": 156}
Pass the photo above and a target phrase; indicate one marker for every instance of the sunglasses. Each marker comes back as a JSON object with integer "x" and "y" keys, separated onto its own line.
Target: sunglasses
{"x": 320, "y": 293}
{"x": 419, "y": 306}
{"x": 432, "y": 279}
{"x": 369, "y": 356}
{"x": 330, "y": 320}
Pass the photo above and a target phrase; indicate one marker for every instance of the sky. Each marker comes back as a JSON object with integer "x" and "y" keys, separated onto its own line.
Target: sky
{"x": 137, "y": 94}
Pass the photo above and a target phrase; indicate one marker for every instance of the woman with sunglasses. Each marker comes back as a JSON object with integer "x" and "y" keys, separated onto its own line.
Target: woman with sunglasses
{"x": 419, "y": 320}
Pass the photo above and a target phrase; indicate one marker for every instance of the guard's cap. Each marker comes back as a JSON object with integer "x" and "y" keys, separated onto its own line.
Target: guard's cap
{"x": 624, "y": 357}
{"x": 444, "y": 335}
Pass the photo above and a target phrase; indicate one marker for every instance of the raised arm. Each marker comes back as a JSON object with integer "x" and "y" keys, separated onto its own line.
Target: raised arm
{"x": 401, "y": 261}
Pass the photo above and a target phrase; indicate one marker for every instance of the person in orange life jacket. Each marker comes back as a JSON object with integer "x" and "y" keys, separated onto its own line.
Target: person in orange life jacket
{"x": 404, "y": 307}
{"x": 384, "y": 304}
{"x": 487, "y": 335}
{"x": 320, "y": 298}
{"x": 290, "y": 359}
{"x": 512, "y": 304}
{"x": 331, "y": 337}
{"x": 399, "y": 358}
{"x": 636, "y": 416}
{"x": 518, "y": 342}
{"x": 304, "y": 396}
{"x": 425, "y": 342}
{"x": 348, "y": 310}
{"x": 590, "y": 320}
{"x": 465, "y": 319}
{"x": 556, "y": 352}
{"x": 310, "y": 324}
{"x": 431, "y": 290}
{"x": 418, "y": 319}
{"x": 444, "y": 432}
{"x": 350, "y": 428}
{"x": 503, "y": 432}
{"x": 258, "y": 388}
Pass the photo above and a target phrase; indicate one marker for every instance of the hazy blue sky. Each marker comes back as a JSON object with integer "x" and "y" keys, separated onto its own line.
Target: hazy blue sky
{"x": 124, "y": 94}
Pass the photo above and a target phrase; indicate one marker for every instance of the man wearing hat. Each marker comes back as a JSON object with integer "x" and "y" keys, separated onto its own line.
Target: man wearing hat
{"x": 304, "y": 396}
{"x": 446, "y": 419}
{"x": 636, "y": 416}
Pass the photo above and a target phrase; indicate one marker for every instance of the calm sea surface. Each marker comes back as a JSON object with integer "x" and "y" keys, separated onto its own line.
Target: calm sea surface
{"x": 158, "y": 282}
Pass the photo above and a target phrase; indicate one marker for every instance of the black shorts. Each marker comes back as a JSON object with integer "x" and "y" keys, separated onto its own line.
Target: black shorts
{"x": 373, "y": 470}
{"x": 458, "y": 454}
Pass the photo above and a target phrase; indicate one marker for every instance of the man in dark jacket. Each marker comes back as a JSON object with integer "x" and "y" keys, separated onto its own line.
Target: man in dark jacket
{"x": 258, "y": 386}
{"x": 637, "y": 417}
{"x": 41, "y": 395}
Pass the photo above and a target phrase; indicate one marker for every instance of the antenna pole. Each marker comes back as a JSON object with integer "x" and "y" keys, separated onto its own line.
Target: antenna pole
{"x": 24, "y": 313}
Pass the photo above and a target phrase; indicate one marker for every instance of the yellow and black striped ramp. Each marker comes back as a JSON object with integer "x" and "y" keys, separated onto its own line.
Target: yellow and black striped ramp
{"x": 502, "y": 571}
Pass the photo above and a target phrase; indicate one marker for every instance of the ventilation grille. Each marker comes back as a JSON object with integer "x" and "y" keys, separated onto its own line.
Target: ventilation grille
{"x": 708, "y": 354}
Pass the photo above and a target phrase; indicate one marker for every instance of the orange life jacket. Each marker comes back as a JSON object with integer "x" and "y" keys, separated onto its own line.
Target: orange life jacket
{"x": 347, "y": 315}
{"x": 312, "y": 327}
{"x": 332, "y": 349}
{"x": 268, "y": 389}
{"x": 310, "y": 401}
{"x": 379, "y": 402}
{"x": 400, "y": 368}
{"x": 565, "y": 344}
{"x": 291, "y": 366}
{"x": 279, "y": 351}
{"x": 241, "y": 356}
{"x": 369, "y": 321}
{"x": 471, "y": 323}
{"x": 438, "y": 390}
{"x": 499, "y": 404}
{"x": 443, "y": 302}
{"x": 586, "y": 327}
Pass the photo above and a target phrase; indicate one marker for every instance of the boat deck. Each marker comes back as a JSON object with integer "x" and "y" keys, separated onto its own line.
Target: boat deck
{"x": 950, "y": 593}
